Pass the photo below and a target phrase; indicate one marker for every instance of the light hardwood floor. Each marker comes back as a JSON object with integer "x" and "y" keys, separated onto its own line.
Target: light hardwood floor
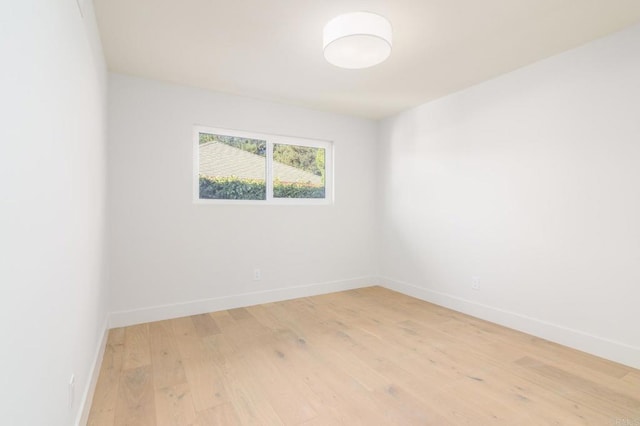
{"x": 362, "y": 357}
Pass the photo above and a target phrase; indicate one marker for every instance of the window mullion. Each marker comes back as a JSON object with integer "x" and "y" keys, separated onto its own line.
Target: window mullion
{"x": 269, "y": 170}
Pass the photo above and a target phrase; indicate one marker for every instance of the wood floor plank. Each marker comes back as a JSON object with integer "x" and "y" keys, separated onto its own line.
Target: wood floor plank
{"x": 174, "y": 405}
{"x": 466, "y": 406}
{"x": 284, "y": 396}
{"x": 362, "y": 357}
{"x": 298, "y": 364}
{"x": 137, "y": 352}
{"x": 205, "y": 325}
{"x": 106, "y": 395}
{"x": 205, "y": 382}
{"x": 633, "y": 378}
{"x": 542, "y": 405}
{"x": 246, "y": 393}
{"x": 165, "y": 357}
{"x": 223, "y": 414}
{"x": 136, "y": 399}
{"x": 599, "y": 396}
{"x": 243, "y": 334}
{"x": 239, "y": 313}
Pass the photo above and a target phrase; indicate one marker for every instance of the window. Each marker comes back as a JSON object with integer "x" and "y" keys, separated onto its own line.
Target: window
{"x": 242, "y": 167}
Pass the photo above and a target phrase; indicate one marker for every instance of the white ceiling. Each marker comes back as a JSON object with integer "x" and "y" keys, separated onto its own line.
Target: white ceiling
{"x": 272, "y": 49}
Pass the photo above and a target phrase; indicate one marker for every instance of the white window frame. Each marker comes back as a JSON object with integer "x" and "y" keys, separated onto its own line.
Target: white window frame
{"x": 270, "y": 140}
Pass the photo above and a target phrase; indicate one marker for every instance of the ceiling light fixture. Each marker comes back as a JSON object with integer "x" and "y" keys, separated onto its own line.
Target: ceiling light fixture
{"x": 357, "y": 40}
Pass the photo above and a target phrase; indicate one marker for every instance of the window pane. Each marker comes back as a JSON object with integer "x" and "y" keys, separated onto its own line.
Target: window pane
{"x": 232, "y": 168}
{"x": 298, "y": 171}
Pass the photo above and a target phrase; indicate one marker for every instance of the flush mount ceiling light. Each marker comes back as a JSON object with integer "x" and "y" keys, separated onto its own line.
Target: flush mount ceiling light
{"x": 357, "y": 40}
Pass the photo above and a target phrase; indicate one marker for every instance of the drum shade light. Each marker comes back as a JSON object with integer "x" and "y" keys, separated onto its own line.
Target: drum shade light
{"x": 357, "y": 40}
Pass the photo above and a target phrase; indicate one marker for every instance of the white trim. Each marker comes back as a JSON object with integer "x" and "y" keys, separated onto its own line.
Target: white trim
{"x": 596, "y": 345}
{"x": 195, "y": 194}
{"x": 87, "y": 396}
{"x": 272, "y": 202}
{"x": 270, "y": 140}
{"x": 176, "y": 310}
{"x": 269, "y": 174}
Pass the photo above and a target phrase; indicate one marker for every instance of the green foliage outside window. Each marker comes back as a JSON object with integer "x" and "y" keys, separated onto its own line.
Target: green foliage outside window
{"x": 254, "y": 146}
{"x": 232, "y": 188}
{"x": 306, "y": 158}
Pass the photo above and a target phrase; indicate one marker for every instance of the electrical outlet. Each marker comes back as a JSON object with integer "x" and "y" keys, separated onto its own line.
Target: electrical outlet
{"x": 72, "y": 389}
{"x": 475, "y": 283}
{"x": 257, "y": 274}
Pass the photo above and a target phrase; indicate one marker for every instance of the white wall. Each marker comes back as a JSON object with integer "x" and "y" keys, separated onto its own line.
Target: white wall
{"x": 531, "y": 182}
{"x": 165, "y": 250}
{"x": 52, "y": 177}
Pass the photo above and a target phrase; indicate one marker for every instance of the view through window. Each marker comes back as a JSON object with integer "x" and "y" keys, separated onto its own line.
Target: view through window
{"x": 235, "y": 165}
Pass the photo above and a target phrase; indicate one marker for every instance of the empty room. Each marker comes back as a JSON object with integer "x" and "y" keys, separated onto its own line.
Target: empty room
{"x": 296, "y": 212}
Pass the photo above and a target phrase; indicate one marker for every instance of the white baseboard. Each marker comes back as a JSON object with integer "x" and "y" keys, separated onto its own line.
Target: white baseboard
{"x": 158, "y": 313}
{"x": 94, "y": 372}
{"x": 605, "y": 348}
